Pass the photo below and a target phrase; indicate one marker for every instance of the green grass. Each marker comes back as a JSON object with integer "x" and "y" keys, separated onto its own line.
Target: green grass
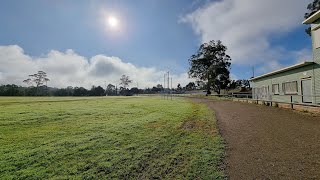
{"x": 109, "y": 138}
{"x": 211, "y": 97}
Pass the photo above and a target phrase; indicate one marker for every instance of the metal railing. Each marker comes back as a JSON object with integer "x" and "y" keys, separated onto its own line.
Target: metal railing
{"x": 305, "y": 100}
{"x": 292, "y": 100}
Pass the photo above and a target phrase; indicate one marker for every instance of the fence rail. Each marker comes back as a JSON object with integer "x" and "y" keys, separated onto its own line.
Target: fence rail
{"x": 292, "y": 100}
{"x": 303, "y": 100}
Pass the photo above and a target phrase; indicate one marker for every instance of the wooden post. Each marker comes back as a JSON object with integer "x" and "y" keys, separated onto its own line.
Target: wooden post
{"x": 291, "y": 102}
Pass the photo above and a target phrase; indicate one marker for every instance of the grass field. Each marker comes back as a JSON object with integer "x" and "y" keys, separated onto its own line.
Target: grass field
{"x": 120, "y": 137}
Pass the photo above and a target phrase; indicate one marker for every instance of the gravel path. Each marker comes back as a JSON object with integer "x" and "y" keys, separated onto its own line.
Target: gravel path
{"x": 267, "y": 142}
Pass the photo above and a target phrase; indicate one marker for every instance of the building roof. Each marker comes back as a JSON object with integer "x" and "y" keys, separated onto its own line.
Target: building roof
{"x": 306, "y": 63}
{"x": 312, "y": 18}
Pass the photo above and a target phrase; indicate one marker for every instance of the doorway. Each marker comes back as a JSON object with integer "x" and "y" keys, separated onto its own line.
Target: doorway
{"x": 306, "y": 90}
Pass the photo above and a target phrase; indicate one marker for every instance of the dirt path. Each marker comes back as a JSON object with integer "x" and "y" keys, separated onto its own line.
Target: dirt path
{"x": 268, "y": 143}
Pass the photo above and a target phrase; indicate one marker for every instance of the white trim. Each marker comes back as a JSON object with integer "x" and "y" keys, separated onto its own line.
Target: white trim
{"x": 283, "y": 70}
{"x": 290, "y": 93}
{"x": 274, "y": 92}
{"x": 306, "y": 79}
{"x": 312, "y": 18}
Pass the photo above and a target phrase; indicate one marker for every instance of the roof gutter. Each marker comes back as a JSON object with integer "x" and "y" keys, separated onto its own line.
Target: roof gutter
{"x": 283, "y": 70}
{"x": 312, "y": 18}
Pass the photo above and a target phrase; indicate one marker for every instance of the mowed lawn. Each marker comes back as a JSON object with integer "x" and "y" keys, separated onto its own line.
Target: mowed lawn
{"x": 108, "y": 137}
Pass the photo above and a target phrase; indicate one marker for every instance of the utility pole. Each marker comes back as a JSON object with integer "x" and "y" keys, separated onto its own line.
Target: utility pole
{"x": 168, "y": 84}
{"x": 171, "y": 87}
{"x": 253, "y": 71}
{"x": 164, "y": 86}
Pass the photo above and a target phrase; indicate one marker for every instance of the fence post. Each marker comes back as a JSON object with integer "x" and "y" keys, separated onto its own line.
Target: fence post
{"x": 291, "y": 102}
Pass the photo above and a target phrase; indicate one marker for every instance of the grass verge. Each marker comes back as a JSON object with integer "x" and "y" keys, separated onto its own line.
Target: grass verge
{"x": 122, "y": 137}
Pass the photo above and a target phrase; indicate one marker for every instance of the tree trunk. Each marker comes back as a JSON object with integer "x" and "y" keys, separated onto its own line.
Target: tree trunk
{"x": 217, "y": 89}
{"x": 208, "y": 86}
{"x": 208, "y": 89}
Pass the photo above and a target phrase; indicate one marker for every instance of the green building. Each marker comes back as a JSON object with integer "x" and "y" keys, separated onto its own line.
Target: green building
{"x": 299, "y": 83}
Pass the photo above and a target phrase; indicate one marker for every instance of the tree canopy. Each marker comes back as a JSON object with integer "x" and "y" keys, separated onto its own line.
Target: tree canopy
{"x": 40, "y": 79}
{"x": 125, "y": 81}
{"x": 211, "y": 63}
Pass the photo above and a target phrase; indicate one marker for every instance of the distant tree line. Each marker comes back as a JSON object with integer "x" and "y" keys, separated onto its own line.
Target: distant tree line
{"x": 38, "y": 87}
{"x": 111, "y": 90}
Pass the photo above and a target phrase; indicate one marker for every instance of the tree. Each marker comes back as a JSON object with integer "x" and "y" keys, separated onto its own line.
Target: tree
{"x": 232, "y": 84}
{"x": 125, "y": 81}
{"x": 313, "y": 8}
{"x": 134, "y": 90}
{"x": 10, "y": 90}
{"x": 39, "y": 79}
{"x": 211, "y": 63}
{"x": 179, "y": 86}
{"x": 111, "y": 90}
{"x": 159, "y": 86}
{"x": 191, "y": 86}
{"x": 241, "y": 84}
{"x": 200, "y": 85}
{"x": 156, "y": 89}
{"x": 61, "y": 92}
{"x": 97, "y": 91}
{"x": 245, "y": 83}
{"x": 80, "y": 91}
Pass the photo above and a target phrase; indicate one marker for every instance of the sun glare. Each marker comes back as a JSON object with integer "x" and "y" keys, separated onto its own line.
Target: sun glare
{"x": 113, "y": 22}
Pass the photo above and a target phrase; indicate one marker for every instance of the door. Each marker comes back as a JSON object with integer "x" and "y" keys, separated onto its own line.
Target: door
{"x": 306, "y": 90}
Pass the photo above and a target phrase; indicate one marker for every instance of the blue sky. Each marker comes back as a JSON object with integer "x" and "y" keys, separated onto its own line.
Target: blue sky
{"x": 154, "y": 35}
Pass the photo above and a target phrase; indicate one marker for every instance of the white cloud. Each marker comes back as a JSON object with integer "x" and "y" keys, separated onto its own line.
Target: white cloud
{"x": 233, "y": 76}
{"x": 71, "y": 69}
{"x": 302, "y": 55}
{"x": 246, "y": 26}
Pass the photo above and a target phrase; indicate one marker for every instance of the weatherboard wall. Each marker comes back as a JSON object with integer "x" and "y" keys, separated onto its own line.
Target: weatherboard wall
{"x": 288, "y": 76}
{"x": 316, "y": 83}
{"x": 316, "y": 59}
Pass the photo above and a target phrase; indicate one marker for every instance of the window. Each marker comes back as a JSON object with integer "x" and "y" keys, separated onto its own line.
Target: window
{"x": 316, "y": 38}
{"x": 275, "y": 89}
{"x": 290, "y": 87}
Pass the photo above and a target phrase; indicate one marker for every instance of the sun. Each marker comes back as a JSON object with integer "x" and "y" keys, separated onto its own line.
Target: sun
{"x": 113, "y": 22}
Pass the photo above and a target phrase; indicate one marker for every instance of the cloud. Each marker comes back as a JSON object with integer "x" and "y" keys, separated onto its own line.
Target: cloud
{"x": 246, "y": 27}
{"x": 302, "y": 55}
{"x": 71, "y": 69}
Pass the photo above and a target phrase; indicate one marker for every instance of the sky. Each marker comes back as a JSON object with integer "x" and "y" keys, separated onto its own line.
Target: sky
{"x": 74, "y": 42}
